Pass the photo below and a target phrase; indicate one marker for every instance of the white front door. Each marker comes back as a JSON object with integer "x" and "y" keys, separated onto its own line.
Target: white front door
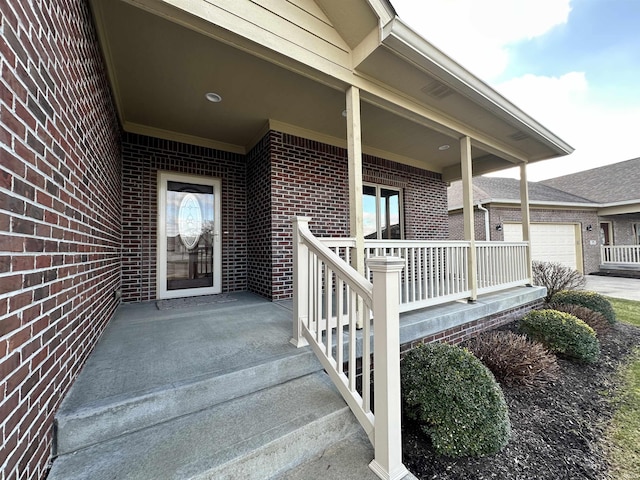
{"x": 189, "y": 253}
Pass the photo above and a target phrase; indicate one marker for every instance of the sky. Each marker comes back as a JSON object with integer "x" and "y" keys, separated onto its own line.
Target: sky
{"x": 573, "y": 65}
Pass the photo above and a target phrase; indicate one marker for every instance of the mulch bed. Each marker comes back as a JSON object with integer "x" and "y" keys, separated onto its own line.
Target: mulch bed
{"x": 557, "y": 432}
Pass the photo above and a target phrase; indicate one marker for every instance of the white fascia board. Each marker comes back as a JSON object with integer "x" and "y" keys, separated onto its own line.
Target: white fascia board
{"x": 404, "y": 41}
{"x": 548, "y": 203}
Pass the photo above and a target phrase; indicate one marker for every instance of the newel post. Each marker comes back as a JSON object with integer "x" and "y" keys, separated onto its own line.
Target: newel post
{"x": 300, "y": 280}
{"x": 387, "y": 463}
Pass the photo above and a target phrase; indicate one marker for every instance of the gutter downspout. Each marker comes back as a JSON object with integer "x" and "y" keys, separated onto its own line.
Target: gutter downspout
{"x": 486, "y": 222}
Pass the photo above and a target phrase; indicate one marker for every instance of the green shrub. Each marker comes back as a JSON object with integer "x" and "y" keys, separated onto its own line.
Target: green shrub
{"x": 455, "y": 399}
{"x": 595, "y": 320}
{"x": 556, "y": 277}
{"x": 591, "y": 300}
{"x": 514, "y": 359}
{"x": 562, "y": 333}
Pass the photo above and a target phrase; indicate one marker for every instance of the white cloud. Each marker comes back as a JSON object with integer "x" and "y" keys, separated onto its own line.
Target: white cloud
{"x": 600, "y": 133}
{"x": 477, "y": 33}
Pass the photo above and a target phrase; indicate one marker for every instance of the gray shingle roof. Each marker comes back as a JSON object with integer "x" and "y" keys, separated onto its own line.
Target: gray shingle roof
{"x": 496, "y": 188}
{"x": 617, "y": 182}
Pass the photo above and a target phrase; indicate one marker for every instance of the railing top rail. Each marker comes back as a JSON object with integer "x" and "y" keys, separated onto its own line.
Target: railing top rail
{"x": 338, "y": 242}
{"x": 361, "y": 285}
{"x": 500, "y": 243}
{"x": 416, "y": 243}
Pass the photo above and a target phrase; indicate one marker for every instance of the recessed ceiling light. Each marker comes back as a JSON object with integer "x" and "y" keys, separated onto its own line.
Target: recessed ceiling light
{"x": 213, "y": 97}
{"x": 444, "y": 147}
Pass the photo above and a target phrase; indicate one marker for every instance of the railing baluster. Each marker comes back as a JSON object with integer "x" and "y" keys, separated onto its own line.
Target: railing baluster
{"x": 319, "y": 301}
{"x": 366, "y": 361}
{"x": 353, "y": 317}
{"x": 339, "y": 325}
{"x": 328, "y": 286}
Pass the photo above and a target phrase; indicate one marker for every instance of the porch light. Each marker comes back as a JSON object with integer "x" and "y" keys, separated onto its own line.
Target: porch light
{"x": 213, "y": 97}
{"x": 589, "y": 228}
{"x": 499, "y": 227}
{"x": 444, "y": 147}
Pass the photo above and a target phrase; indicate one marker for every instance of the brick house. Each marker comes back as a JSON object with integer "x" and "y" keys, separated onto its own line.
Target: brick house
{"x": 124, "y": 124}
{"x": 588, "y": 220}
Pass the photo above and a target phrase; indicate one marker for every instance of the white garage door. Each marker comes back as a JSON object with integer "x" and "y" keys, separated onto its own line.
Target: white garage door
{"x": 550, "y": 242}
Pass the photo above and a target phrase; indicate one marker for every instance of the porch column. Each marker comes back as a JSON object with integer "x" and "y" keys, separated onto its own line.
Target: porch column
{"x": 354, "y": 149}
{"x": 526, "y": 219}
{"x": 387, "y": 463}
{"x": 354, "y": 145}
{"x": 468, "y": 214}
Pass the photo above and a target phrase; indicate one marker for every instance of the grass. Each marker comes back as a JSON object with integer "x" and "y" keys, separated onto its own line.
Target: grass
{"x": 624, "y": 434}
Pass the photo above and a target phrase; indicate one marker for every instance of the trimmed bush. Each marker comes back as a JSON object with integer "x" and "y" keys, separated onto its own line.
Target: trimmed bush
{"x": 562, "y": 333}
{"x": 455, "y": 399}
{"x": 556, "y": 277}
{"x": 595, "y": 320}
{"x": 591, "y": 300}
{"x": 514, "y": 359}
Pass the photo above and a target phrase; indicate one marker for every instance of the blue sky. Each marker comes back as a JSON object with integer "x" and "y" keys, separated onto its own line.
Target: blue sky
{"x": 574, "y": 65}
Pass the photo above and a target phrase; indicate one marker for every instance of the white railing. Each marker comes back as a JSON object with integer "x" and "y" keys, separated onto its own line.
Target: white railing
{"x": 434, "y": 272}
{"x": 620, "y": 254}
{"x": 330, "y": 299}
{"x": 501, "y": 265}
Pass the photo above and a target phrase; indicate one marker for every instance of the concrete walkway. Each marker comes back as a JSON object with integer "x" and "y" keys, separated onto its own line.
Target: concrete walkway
{"x": 617, "y": 287}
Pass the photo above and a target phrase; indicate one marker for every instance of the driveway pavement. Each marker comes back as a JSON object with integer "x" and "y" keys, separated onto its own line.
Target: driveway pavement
{"x": 627, "y": 288}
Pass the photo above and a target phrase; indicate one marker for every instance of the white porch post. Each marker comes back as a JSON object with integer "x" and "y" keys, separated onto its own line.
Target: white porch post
{"x": 300, "y": 280}
{"x": 354, "y": 149}
{"x": 468, "y": 214}
{"x": 526, "y": 220}
{"x": 387, "y": 463}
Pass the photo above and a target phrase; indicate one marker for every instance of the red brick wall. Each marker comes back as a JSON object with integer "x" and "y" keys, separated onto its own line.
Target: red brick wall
{"x": 259, "y": 217}
{"x": 424, "y": 196}
{"x": 142, "y": 158}
{"x": 59, "y": 217}
{"x": 310, "y": 178}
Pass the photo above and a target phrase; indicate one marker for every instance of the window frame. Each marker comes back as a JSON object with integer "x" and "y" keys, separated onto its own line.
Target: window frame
{"x": 378, "y": 214}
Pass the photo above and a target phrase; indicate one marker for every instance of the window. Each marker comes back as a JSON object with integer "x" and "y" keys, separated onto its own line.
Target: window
{"x": 381, "y": 207}
{"x": 636, "y": 233}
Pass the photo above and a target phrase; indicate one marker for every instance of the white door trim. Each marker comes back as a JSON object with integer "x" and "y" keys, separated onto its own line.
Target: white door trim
{"x": 161, "y": 254}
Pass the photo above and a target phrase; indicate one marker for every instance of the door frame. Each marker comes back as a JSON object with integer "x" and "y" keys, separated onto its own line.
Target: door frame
{"x": 161, "y": 243}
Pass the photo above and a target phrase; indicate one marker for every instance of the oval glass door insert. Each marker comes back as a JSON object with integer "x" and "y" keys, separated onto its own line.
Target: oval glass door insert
{"x": 189, "y": 221}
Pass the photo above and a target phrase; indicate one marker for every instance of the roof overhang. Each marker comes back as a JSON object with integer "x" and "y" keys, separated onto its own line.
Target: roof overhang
{"x": 290, "y": 72}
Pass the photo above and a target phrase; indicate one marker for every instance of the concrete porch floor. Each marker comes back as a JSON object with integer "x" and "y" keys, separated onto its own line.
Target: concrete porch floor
{"x": 175, "y": 361}
{"x": 144, "y": 348}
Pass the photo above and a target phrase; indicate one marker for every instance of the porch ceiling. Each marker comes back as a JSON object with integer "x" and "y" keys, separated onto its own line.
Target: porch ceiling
{"x": 160, "y": 72}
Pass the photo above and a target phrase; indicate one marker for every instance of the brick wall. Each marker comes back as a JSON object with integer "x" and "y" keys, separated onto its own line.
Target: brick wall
{"x": 472, "y": 329}
{"x": 259, "y": 217}
{"x": 309, "y": 178}
{"x": 456, "y": 226}
{"x": 425, "y": 196}
{"x": 59, "y": 217}
{"x": 590, "y": 253}
{"x": 499, "y": 215}
{"x": 142, "y": 158}
{"x": 623, "y": 233}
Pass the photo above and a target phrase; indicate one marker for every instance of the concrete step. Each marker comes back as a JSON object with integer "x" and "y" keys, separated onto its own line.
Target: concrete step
{"x": 259, "y": 436}
{"x": 346, "y": 460}
{"x": 80, "y": 424}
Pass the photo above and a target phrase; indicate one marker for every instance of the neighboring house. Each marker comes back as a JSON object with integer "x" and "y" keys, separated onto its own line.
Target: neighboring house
{"x": 588, "y": 220}
{"x": 157, "y": 149}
